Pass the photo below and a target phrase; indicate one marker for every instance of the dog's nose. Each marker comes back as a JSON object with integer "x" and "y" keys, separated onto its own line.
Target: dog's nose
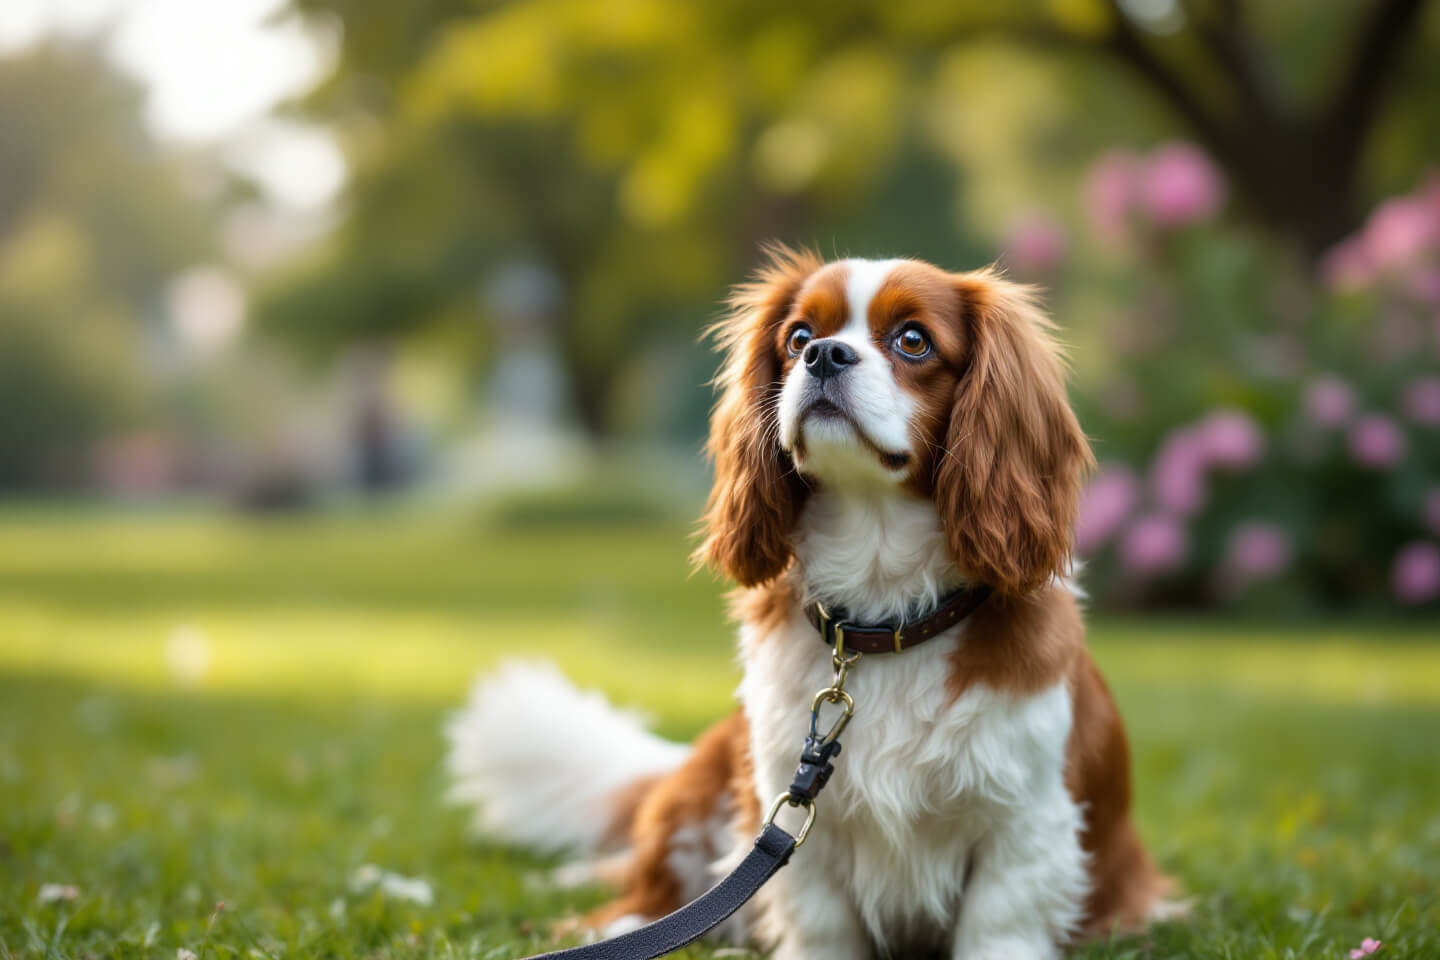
{"x": 826, "y": 358}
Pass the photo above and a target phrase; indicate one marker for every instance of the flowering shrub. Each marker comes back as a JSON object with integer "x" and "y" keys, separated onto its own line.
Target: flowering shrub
{"x": 1267, "y": 434}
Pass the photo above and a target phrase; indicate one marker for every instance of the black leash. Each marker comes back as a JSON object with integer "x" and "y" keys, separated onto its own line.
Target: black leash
{"x": 771, "y": 851}
{"x": 691, "y": 922}
{"x": 774, "y": 845}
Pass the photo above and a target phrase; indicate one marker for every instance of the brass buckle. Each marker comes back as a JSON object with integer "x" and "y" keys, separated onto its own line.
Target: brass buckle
{"x": 785, "y": 798}
{"x": 835, "y": 628}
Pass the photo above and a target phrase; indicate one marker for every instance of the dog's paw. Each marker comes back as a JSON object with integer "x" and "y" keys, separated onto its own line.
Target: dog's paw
{"x": 1170, "y": 911}
{"x": 612, "y": 920}
{"x": 623, "y": 925}
{"x": 572, "y": 928}
{"x": 1010, "y": 948}
{"x": 588, "y": 929}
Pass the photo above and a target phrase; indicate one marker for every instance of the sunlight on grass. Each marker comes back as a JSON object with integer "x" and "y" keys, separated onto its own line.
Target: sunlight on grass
{"x": 342, "y": 652}
{"x": 430, "y": 656}
{"x": 195, "y": 708}
{"x": 1354, "y": 666}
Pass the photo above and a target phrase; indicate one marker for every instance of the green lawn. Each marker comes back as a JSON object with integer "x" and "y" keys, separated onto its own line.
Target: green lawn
{"x": 196, "y": 709}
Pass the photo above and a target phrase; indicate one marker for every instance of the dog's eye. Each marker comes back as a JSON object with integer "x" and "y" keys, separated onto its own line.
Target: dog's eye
{"x": 799, "y": 337}
{"x": 912, "y": 342}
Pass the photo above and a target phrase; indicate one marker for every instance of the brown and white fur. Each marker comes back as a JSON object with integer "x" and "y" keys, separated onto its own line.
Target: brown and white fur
{"x": 981, "y": 807}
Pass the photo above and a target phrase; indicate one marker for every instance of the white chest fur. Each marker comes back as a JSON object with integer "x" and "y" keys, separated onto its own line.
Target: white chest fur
{"x": 935, "y": 800}
{"x": 921, "y": 780}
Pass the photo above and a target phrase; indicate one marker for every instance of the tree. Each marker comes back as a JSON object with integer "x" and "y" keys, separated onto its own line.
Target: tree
{"x": 1298, "y": 168}
{"x": 92, "y": 225}
{"x": 642, "y": 149}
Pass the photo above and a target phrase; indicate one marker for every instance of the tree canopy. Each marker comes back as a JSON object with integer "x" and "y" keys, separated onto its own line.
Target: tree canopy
{"x": 642, "y": 149}
{"x": 94, "y": 220}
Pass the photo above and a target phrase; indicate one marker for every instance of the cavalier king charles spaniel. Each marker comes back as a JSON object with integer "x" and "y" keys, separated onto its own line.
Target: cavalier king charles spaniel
{"x": 888, "y": 436}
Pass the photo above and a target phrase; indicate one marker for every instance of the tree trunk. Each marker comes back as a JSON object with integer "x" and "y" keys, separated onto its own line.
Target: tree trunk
{"x": 1297, "y": 175}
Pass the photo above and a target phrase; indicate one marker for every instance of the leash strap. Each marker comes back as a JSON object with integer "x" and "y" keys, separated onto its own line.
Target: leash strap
{"x": 848, "y": 642}
{"x": 771, "y": 851}
{"x": 691, "y": 922}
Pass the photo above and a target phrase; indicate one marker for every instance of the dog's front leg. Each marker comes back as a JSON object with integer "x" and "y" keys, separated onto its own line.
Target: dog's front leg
{"x": 1028, "y": 883}
{"x": 812, "y": 918}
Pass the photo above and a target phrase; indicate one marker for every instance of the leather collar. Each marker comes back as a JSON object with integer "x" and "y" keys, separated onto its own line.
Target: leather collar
{"x": 848, "y": 637}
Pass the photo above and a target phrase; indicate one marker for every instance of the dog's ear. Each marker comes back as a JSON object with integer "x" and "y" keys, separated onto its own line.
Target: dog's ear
{"x": 757, "y": 493}
{"x": 1015, "y": 456}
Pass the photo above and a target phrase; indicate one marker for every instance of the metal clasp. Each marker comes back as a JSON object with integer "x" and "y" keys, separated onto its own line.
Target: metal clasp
{"x": 847, "y": 710}
{"x": 784, "y": 799}
{"x": 815, "y": 766}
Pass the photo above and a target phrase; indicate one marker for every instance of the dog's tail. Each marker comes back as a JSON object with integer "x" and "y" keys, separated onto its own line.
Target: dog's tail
{"x": 548, "y": 766}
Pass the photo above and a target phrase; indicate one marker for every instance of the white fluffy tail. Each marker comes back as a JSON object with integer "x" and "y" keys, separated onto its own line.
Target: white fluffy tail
{"x": 541, "y": 761}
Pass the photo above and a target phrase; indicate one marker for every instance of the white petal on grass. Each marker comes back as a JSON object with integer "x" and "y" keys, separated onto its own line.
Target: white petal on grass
{"x": 393, "y": 885}
{"x": 184, "y": 954}
{"x": 102, "y": 817}
{"x": 364, "y": 877}
{"x": 413, "y": 889}
{"x": 57, "y": 892}
{"x": 68, "y": 809}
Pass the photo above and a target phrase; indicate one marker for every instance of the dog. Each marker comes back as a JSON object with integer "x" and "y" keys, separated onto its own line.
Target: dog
{"x": 888, "y": 436}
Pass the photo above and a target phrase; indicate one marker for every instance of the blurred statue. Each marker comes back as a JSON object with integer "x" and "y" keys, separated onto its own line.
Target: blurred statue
{"x": 527, "y": 436}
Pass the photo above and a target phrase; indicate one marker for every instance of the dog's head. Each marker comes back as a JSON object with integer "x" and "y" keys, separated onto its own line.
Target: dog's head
{"x": 893, "y": 377}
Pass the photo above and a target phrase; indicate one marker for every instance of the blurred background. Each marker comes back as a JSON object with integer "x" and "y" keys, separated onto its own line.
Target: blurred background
{"x": 339, "y": 338}
{"x": 274, "y": 256}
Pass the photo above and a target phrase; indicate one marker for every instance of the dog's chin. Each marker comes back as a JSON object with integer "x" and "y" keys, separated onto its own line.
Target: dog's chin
{"x": 832, "y": 447}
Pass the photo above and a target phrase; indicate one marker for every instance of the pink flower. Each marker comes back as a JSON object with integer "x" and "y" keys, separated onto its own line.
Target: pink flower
{"x": 1375, "y": 441}
{"x": 1399, "y": 231}
{"x": 1422, "y": 401}
{"x": 1431, "y": 510}
{"x": 1257, "y": 551}
{"x": 1367, "y": 947}
{"x": 1225, "y": 438}
{"x": 1112, "y": 193}
{"x": 1177, "y": 476}
{"x": 1329, "y": 401}
{"x": 1231, "y": 438}
{"x": 1415, "y": 574}
{"x": 1347, "y": 268}
{"x": 1155, "y": 544}
{"x": 1104, "y": 506}
{"x": 1035, "y": 243}
{"x": 1182, "y": 186}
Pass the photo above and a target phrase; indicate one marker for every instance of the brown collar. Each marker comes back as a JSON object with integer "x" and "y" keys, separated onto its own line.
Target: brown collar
{"x": 847, "y": 637}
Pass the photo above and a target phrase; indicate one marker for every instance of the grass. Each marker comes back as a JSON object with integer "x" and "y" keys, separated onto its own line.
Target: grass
{"x": 197, "y": 709}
